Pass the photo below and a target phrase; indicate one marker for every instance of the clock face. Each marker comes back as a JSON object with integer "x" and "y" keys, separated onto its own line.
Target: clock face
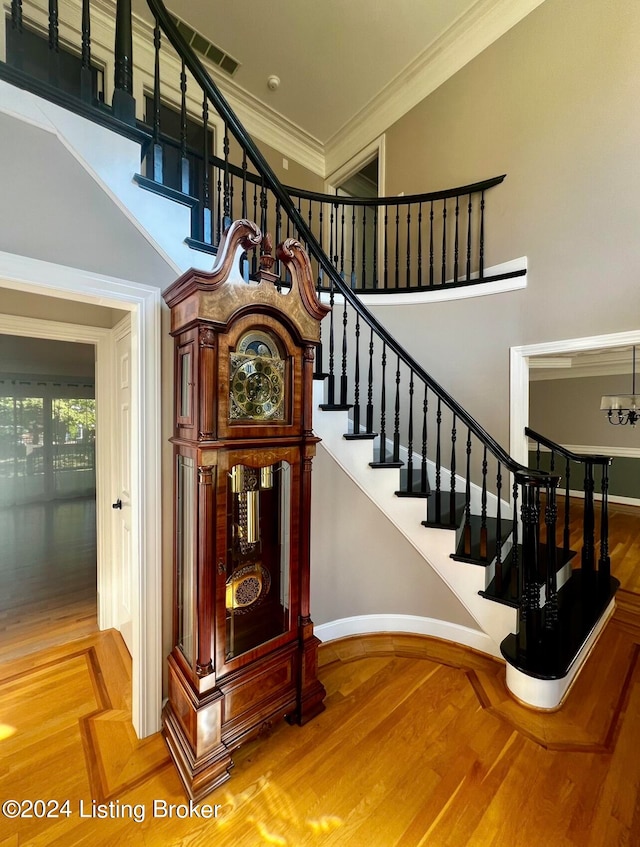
{"x": 256, "y": 379}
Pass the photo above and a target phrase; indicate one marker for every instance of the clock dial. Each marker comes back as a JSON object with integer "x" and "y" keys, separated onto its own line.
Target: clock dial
{"x": 256, "y": 383}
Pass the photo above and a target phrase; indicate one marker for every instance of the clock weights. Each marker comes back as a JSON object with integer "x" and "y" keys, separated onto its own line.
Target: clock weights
{"x": 244, "y": 651}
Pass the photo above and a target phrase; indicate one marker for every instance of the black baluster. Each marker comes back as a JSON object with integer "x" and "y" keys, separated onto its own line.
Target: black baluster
{"x": 431, "y": 273}
{"x": 443, "y": 276}
{"x": 410, "y": 437}
{"x": 481, "y": 259}
{"x": 530, "y": 603}
{"x": 263, "y": 206}
{"x": 244, "y": 193}
{"x": 516, "y": 569}
{"x": 537, "y": 455}
{"x": 467, "y": 498}
{"x": 124, "y": 106}
{"x": 356, "y": 380}
{"x": 332, "y": 254}
{"x": 343, "y": 376}
{"x": 157, "y": 156}
{"x": 552, "y": 464}
{"x": 342, "y": 241}
{"x": 408, "y": 281}
{"x": 383, "y": 404}
{"x": 420, "y": 245}
{"x": 254, "y": 259}
{"x": 226, "y": 205}
{"x": 364, "y": 249}
{"x": 331, "y": 379}
{"x": 396, "y": 418}
{"x": 86, "y": 82}
{"x": 588, "y": 538}
{"x": 370, "y": 387}
{"x": 375, "y": 247}
{"x": 17, "y": 29}
{"x": 604, "y": 563}
{"x": 483, "y": 508}
{"x": 185, "y": 170}
{"x": 567, "y": 509}
{"x": 469, "y": 213}
{"x": 321, "y": 239}
{"x": 54, "y": 43}
{"x": 219, "y": 216}
{"x": 231, "y": 214}
{"x": 353, "y": 282}
{"x": 386, "y": 249}
{"x": 207, "y": 233}
{"x": 452, "y": 478}
{"x": 397, "y": 271}
{"x": 551, "y": 581}
{"x": 498, "y": 565}
{"x": 455, "y": 243}
{"x": 424, "y": 478}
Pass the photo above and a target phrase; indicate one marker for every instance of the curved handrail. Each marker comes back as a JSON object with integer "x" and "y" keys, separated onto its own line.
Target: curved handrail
{"x": 404, "y": 200}
{"x": 260, "y": 163}
{"x": 595, "y": 458}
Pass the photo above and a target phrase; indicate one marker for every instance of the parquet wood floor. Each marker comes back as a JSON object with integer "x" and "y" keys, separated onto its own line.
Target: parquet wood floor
{"x": 420, "y": 744}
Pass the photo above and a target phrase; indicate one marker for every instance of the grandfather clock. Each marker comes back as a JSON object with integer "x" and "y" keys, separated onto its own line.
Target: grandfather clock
{"x": 244, "y": 652}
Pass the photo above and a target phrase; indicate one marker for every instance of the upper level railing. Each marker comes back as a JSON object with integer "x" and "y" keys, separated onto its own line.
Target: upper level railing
{"x": 418, "y": 242}
{"x": 447, "y": 455}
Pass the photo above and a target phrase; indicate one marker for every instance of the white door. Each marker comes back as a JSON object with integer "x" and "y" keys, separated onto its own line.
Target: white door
{"x": 122, "y": 521}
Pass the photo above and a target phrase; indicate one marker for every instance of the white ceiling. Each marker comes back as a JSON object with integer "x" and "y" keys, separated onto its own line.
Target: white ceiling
{"x": 335, "y": 58}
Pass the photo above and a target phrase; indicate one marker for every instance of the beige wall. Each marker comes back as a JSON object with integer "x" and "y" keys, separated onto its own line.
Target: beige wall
{"x": 553, "y": 104}
{"x": 361, "y": 564}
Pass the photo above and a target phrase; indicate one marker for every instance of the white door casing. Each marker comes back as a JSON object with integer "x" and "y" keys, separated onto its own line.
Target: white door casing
{"x": 123, "y": 545}
{"x": 144, "y": 304}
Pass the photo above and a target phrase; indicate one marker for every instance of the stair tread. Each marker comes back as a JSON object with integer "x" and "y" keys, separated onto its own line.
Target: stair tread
{"x": 439, "y": 510}
{"x": 416, "y": 489}
{"x": 581, "y": 603}
{"x": 474, "y": 556}
{"x": 509, "y": 593}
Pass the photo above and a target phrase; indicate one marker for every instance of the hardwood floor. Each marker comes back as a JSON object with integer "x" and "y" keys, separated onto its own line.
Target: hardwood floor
{"x": 420, "y": 744}
{"x": 47, "y": 575}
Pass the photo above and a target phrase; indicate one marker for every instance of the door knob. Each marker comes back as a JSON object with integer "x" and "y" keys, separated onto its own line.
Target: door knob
{"x": 117, "y": 504}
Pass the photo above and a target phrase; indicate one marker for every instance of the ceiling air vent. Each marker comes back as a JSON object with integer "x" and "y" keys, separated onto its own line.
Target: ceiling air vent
{"x": 206, "y": 48}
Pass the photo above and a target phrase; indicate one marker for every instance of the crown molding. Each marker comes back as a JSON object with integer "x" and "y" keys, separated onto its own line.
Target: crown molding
{"x": 483, "y": 24}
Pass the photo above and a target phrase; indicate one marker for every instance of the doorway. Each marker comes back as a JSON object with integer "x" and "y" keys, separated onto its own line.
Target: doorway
{"x": 71, "y": 288}
{"x": 48, "y": 560}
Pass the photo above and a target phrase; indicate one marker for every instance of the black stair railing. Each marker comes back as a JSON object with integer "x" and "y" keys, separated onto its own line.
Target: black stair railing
{"x": 580, "y": 471}
{"x": 469, "y": 482}
{"x": 390, "y": 378}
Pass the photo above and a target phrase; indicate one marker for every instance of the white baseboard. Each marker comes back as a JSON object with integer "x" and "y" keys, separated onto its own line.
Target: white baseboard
{"x": 412, "y": 624}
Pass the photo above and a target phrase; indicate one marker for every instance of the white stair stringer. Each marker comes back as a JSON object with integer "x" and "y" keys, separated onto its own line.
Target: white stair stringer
{"x": 435, "y": 545}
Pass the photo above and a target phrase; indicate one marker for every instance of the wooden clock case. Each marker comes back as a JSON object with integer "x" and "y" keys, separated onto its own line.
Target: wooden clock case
{"x": 237, "y": 664}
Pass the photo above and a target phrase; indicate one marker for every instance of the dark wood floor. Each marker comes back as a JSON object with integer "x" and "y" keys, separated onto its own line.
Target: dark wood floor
{"x": 47, "y": 575}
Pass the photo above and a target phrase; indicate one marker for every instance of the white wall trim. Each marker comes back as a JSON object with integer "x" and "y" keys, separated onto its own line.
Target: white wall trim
{"x": 413, "y": 624}
{"x": 519, "y": 378}
{"x": 144, "y": 302}
{"x": 441, "y": 293}
{"x": 589, "y": 450}
{"x": 462, "y": 42}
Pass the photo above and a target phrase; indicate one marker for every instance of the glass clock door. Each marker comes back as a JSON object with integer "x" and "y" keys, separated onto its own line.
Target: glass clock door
{"x": 257, "y": 589}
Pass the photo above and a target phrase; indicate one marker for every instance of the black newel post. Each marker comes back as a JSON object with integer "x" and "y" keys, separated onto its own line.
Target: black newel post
{"x": 124, "y": 106}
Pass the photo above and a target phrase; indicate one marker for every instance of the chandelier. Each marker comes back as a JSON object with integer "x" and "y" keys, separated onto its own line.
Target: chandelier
{"x": 622, "y": 409}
